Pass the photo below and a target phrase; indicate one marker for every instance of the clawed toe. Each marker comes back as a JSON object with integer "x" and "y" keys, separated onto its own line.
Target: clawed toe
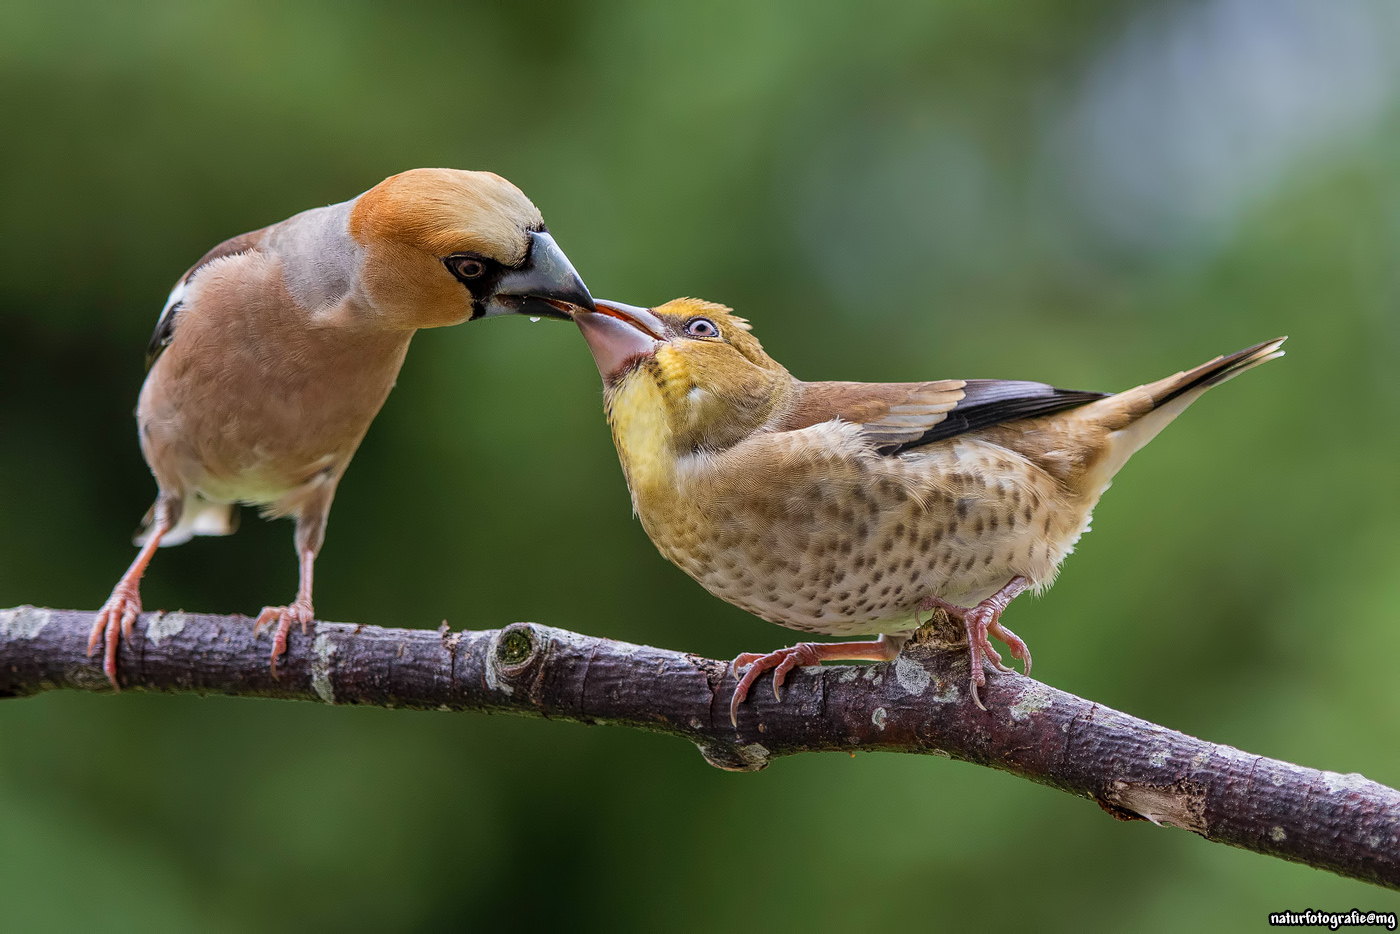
{"x": 990, "y": 653}
{"x": 801, "y": 654}
{"x": 805, "y": 653}
{"x": 977, "y": 698}
{"x": 1019, "y": 650}
{"x": 780, "y": 662}
{"x": 285, "y": 617}
{"x": 115, "y": 620}
{"x": 983, "y": 620}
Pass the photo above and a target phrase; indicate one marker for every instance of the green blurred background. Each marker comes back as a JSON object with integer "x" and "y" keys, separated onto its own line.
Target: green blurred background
{"x": 1090, "y": 193}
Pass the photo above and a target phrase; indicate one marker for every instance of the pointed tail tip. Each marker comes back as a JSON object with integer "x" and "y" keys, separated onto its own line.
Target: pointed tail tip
{"x": 1253, "y": 356}
{"x": 1272, "y": 350}
{"x": 1215, "y": 372}
{"x": 1246, "y": 359}
{"x": 1264, "y": 346}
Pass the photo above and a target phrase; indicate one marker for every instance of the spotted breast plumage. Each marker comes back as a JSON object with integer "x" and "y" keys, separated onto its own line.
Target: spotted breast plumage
{"x": 845, "y": 508}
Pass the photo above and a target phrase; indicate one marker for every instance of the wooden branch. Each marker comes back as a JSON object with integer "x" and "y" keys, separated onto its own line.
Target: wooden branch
{"x": 917, "y": 703}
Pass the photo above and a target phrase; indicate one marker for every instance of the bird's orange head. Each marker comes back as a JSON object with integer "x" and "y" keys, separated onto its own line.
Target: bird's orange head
{"x": 443, "y": 246}
{"x": 690, "y": 366}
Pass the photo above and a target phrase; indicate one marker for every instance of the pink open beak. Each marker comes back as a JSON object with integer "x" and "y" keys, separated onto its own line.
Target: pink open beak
{"x": 619, "y": 334}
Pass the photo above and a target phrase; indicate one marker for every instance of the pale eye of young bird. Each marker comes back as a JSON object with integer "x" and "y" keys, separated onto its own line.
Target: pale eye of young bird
{"x": 701, "y": 327}
{"x": 466, "y": 267}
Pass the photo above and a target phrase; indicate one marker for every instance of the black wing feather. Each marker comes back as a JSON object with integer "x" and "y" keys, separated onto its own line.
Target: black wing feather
{"x": 165, "y": 331}
{"x": 991, "y": 402}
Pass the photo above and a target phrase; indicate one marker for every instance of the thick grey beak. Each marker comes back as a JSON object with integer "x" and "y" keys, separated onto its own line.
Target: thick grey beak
{"x": 544, "y": 279}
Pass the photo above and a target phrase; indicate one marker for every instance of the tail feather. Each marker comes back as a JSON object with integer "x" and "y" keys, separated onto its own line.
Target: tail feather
{"x": 1214, "y": 372}
{"x": 1136, "y": 417}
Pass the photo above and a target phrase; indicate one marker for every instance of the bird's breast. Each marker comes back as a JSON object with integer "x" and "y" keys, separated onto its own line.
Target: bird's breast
{"x": 255, "y": 399}
{"x": 853, "y": 545}
{"x": 642, "y": 434}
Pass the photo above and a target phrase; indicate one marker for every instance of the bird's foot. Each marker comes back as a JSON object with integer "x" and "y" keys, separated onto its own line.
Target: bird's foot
{"x": 113, "y": 621}
{"x": 285, "y": 617}
{"x": 779, "y": 662}
{"x": 980, "y": 621}
{"x": 1015, "y": 643}
{"x": 782, "y": 661}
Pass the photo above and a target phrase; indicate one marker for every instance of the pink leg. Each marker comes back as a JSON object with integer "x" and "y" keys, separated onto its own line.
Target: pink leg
{"x": 783, "y": 661}
{"x": 286, "y": 616}
{"x": 119, "y": 613}
{"x": 982, "y": 619}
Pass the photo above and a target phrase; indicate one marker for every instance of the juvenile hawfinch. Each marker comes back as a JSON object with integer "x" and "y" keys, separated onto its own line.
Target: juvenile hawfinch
{"x": 850, "y": 508}
{"x": 276, "y": 350}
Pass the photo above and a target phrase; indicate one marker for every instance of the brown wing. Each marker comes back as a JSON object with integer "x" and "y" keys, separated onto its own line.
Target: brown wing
{"x": 898, "y": 416}
{"x": 890, "y": 414}
{"x": 165, "y": 325}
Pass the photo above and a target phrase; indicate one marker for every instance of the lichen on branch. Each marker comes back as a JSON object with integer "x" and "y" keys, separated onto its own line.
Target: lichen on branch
{"x": 917, "y": 703}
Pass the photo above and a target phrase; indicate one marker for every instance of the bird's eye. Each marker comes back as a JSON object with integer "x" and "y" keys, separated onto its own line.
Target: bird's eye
{"x": 701, "y": 327}
{"x": 466, "y": 267}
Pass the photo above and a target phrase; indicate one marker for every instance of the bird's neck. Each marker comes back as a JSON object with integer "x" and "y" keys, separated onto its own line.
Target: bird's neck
{"x": 642, "y": 433}
{"x": 321, "y": 262}
{"x": 661, "y": 435}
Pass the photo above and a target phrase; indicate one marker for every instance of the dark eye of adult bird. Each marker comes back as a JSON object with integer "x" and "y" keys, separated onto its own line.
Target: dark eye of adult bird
{"x": 276, "y": 350}
{"x": 701, "y": 327}
{"x": 466, "y": 267}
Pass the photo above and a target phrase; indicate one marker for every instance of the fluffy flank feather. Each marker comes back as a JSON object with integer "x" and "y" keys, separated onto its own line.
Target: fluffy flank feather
{"x": 199, "y": 517}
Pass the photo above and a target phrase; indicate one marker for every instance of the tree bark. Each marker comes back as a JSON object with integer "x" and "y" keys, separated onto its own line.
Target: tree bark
{"x": 918, "y": 703}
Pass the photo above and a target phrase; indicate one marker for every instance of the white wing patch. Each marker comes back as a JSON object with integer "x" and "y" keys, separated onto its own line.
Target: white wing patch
{"x": 177, "y": 295}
